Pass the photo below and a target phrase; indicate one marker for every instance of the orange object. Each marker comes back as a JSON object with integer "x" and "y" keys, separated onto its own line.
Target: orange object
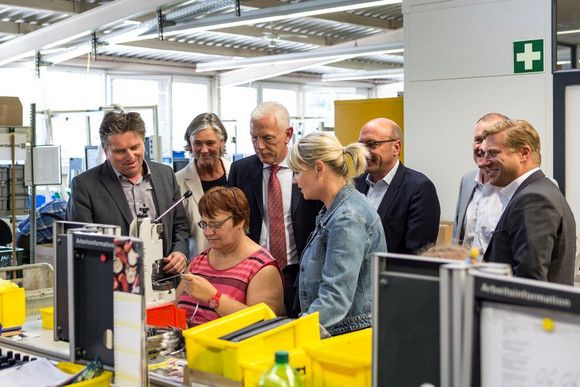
{"x": 165, "y": 315}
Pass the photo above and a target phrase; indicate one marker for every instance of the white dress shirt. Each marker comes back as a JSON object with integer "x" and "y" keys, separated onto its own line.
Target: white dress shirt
{"x": 492, "y": 202}
{"x": 377, "y": 190}
{"x": 471, "y": 212}
{"x": 489, "y": 210}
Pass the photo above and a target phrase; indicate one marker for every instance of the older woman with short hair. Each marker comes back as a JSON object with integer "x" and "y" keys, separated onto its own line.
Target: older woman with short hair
{"x": 235, "y": 272}
{"x": 205, "y": 138}
{"x": 335, "y": 268}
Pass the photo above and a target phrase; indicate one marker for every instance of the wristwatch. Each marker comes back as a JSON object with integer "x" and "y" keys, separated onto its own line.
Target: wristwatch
{"x": 215, "y": 300}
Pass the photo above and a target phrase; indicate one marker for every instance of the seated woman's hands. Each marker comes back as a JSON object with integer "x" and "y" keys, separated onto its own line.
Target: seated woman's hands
{"x": 198, "y": 287}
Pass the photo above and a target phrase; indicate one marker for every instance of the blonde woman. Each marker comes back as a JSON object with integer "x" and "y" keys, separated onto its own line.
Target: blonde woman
{"x": 335, "y": 272}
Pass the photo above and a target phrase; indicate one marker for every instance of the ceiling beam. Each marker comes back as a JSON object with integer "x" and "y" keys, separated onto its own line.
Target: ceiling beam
{"x": 74, "y": 27}
{"x": 353, "y": 64}
{"x": 251, "y": 74}
{"x": 258, "y": 32}
{"x": 61, "y": 6}
{"x": 17, "y": 28}
{"x": 306, "y": 9}
{"x": 342, "y": 17}
{"x": 193, "y": 48}
{"x": 363, "y": 21}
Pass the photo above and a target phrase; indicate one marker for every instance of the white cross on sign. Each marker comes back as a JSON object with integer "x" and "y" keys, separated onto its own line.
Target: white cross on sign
{"x": 528, "y": 56}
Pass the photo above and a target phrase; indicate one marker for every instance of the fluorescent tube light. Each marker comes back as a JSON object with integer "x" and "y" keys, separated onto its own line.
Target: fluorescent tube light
{"x": 375, "y": 74}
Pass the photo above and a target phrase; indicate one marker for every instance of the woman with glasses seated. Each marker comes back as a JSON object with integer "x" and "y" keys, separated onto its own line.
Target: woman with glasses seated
{"x": 235, "y": 272}
{"x": 335, "y": 267}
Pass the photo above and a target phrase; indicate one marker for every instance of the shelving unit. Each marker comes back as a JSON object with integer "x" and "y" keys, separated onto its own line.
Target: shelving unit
{"x": 19, "y": 140}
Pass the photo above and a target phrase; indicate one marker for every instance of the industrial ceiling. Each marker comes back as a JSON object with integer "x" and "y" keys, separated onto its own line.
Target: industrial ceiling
{"x": 240, "y": 41}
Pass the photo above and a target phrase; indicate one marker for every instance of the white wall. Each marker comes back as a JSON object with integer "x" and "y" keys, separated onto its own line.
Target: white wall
{"x": 572, "y": 155}
{"x": 458, "y": 67}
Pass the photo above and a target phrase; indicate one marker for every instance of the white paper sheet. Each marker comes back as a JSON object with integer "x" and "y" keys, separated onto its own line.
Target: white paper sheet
{"x": 40, "y": 372}
{"x": 522, "y": 346}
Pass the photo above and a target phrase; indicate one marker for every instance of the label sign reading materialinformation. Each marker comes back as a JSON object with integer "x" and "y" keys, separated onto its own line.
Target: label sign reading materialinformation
{"x": 529, "y": 56}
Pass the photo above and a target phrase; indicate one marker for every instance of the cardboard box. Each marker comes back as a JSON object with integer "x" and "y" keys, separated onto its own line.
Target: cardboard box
{"x": 445, "y": 235}
{"x": 10, "y": 111}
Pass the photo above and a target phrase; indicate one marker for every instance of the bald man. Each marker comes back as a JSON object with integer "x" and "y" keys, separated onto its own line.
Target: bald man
{"x": 405, "y": 199}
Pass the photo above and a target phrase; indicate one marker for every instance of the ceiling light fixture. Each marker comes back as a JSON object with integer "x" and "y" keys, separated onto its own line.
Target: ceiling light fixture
{"x": 343, "y": 53}
{"x": 357, "y": 75}
{"x": 568, "y": 32}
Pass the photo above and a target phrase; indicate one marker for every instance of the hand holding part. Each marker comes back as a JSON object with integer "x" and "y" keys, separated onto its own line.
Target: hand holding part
{"x": 175, "y": 263}
{"x": 198, "y": 287}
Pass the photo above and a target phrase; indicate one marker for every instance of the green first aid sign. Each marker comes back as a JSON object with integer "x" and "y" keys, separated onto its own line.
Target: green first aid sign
{"x": 529, "y": 56}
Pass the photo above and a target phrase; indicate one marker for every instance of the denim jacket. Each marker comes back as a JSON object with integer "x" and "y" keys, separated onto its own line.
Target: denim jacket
{"x": 335, "y": 269}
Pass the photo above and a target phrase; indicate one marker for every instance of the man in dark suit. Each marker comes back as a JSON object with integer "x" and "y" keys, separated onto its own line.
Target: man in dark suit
{"x": 271, "y": 132}
{"x": 536, "y": 233}
{"x": 406, "y": 200}
{"x": 113, "y": 192}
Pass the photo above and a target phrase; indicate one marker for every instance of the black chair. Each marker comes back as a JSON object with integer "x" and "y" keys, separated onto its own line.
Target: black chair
{"x": 5, "y": 233}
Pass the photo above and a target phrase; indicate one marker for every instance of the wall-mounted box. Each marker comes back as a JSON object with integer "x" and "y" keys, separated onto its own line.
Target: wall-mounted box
{"x": 10, "y": 111}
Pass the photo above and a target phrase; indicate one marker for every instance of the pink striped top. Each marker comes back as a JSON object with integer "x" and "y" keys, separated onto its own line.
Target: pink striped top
{"x": 232, "y": 281}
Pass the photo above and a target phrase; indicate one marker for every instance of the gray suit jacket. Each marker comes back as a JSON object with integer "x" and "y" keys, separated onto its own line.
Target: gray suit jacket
{"x": 97, "y": 197}
{"x": 536, "y": 233}
{"x": 466, "y": 190}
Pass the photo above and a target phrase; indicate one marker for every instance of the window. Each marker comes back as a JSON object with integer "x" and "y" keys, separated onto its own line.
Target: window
{"x": 146, "y": 91}
{"x": 188, "y": 100}
{"x": 237, "y": 104}
{"x": 285, "y": 96}
{"x": 567, "y": 35}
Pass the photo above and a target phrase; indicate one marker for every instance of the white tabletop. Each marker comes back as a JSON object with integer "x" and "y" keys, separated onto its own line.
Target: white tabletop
{"x": 37, "y": 341}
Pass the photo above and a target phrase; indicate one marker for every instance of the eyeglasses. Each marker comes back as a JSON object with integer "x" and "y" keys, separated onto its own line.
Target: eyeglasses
{"x": 213, "y": 225}
{"x": 375, "y": 144}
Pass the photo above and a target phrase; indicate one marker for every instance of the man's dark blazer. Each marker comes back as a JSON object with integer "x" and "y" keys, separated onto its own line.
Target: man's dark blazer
{"x": 247, "y": 175}
{"x": 409, "y": 210}
{"x": 536, "y": 234}
{"x": 97, "y": 197}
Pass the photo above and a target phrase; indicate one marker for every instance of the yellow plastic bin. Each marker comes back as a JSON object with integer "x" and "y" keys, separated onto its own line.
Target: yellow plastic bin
{"x": 207, "y": 353}
{"x": 47, "y": 317}
{"x": 12, "y": 307}
{"x": 297, "y": 359}
{"x": 342, "y": 360}
{"x": 103, "y": 380}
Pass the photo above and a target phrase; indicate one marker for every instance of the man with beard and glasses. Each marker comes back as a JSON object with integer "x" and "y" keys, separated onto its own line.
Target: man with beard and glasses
{"x": 405, "y": 199}
{"x": 478, "y": 206}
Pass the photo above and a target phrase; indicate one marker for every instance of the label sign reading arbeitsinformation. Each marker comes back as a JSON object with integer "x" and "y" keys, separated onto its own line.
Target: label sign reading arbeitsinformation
{"x": 529, "y": 56}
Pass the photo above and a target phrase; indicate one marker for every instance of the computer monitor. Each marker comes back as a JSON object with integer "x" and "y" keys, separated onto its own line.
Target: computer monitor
{"x": 520, "y": 330}
{"x": 75, "y": 168}
{"x": 406, "y": 341}
{"x": 237, "y": 156}
{"x": 91, "y": 156}
{"x": 179, "y": 164}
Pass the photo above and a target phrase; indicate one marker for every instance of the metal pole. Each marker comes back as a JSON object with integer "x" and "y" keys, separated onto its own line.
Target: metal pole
{"x": 13, "y": 198}
{"x": 32, "y": 213}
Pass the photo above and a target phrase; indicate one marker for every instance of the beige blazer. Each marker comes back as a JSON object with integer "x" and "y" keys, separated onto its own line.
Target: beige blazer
{"x": 188, "y": 178}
